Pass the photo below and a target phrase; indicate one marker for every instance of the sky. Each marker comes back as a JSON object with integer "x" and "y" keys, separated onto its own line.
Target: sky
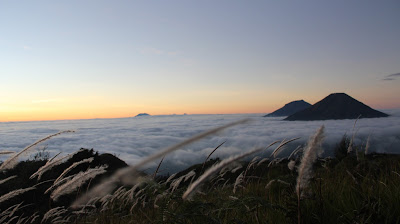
{"x": 109, "y": 59}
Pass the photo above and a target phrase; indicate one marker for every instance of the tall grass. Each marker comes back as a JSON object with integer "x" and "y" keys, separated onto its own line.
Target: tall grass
{"x": 14, "y": 193}
{"x": 219, "y": 166}
{"x": 13, "y": 160}
{"x": 305, "y": 169}
{"x": 129, "y": 175}
{"x": 48, "y": 166}
{"x": 77, "y": 181}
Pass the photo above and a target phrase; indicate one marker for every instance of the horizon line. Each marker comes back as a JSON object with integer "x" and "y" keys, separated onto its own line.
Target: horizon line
{"x": 184, "y": 114}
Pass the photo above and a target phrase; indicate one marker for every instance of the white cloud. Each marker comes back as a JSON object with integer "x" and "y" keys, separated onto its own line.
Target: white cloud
{"x": 27, "y": 48}
{"x": 135, "y": 138}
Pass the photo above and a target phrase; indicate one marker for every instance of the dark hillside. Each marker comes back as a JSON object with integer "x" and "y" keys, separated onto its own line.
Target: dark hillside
{"x": 289, "y": 109}
{"x": 334, "y": 107}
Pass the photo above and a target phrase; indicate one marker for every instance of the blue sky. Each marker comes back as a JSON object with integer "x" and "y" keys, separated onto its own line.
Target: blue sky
{"x": 87, "y": 59}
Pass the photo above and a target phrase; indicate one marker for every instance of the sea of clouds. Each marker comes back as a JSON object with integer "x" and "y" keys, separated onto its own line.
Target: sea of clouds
{"x": 132, "y": 139}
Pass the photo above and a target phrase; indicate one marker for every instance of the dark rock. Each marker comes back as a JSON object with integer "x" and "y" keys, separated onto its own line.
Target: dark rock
{"x": 36, "y": 200}
{"x": 334, "y": 107}
{"x": 289, "y": 109}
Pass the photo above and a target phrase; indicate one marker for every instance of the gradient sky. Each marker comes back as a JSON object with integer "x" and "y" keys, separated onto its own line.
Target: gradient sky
{"x": 103, "y": 59}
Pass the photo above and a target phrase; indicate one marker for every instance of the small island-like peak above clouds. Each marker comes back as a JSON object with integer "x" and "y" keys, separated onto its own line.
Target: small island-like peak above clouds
{"x": 142, "y": 115}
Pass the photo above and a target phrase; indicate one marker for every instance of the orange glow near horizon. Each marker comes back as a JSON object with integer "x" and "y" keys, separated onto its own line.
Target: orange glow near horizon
{"x": 228, "y": 102}
{"x": 103, "y": 113}
{"x": 37, "y": 114}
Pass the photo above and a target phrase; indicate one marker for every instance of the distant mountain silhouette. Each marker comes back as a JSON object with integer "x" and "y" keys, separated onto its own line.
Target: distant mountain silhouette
{"x": 334, "y": 107}
{"x": 289, "y": 109}
{"x": 142, "y": 114}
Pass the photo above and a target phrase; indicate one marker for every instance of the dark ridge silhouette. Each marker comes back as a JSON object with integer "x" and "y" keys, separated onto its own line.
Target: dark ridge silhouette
{"x": 289, "y": 109}
{"x": 142, "y": 114}
{"x": 336, "y": 106}
{"x": 36, "y": 200}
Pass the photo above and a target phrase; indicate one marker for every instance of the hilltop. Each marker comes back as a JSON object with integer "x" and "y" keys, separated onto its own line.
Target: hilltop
{"x": 334, "y": 107}
{"x": 290, "y": 108}
{"x": 142, "y": 114}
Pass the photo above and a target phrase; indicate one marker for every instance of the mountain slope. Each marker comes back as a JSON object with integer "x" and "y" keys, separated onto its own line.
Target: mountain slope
{"x": 289, "y": 109}
{"x": 336, "y": 106}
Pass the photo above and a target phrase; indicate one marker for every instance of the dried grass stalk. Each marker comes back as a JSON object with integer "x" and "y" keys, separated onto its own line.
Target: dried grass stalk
{"x": 88, "y": 160}
{"x": 52, "y": 158}
{"x": 5, "y": 152}
{"x": 158, "y": 167}
{"x": 309, "y": 157}
{"x": 129, "y": 175}
{"x": 279, "y": 148}
{"x": 367, "y": 145}
{"x": 53, "y": 213}
{"x": 48, "y": 166}
{"x": 350, "y": 148}
{"x": 15, "y": 193}
{"x": 238, "y": 182}
{"x": 60, "y": 182}
{"x": 204, "y": 163}
{"x": 291, "y": 164}
{"x": 10, "y": 211}
{"x": 12, "y": 161}
{"x": 170, "y": 178}
{"x": 7, "y": 179}
{"x": 294, "y": 152}
{"x": 175, "y": 184}
{"x": 195, "y": 185}
{"x": 77, "y": 181}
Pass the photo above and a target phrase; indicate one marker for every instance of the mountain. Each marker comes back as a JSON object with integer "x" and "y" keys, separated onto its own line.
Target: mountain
{"x": 142, "y": 114}
{"x": 289, "y": 109}
{"x": 334, "y": 107}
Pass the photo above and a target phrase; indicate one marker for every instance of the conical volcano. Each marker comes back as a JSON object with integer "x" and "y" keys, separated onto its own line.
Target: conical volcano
{"x": 336, "y": 106}
{"x": 289, "y": 109}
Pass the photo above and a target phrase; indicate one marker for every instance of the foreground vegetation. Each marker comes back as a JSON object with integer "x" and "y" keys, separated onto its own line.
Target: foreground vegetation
{"x": 352, "y": 187}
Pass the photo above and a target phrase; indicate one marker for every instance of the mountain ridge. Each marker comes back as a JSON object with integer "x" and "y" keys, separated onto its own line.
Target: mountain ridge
{"x": 289, "y": 109}
{"x": 336, "y": 106}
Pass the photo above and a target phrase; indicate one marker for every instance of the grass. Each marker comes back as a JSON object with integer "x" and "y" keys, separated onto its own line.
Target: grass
{"x": 350, "y": 188}
{"x": 334, "y": 197}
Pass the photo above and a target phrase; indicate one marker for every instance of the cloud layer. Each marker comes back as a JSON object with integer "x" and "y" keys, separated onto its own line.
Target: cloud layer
{"x": 132, "y": 139}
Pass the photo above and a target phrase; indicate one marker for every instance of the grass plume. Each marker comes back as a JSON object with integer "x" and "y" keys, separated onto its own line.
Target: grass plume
{"x": 12, "y": 161}
{"x": 158, "y": 167}
{"x": 88, "y": 160}
{"x": 129, "y": 175}
{"x": 77, "y": 181}
{"x": 193, "y": 187}
{"x": 310, "y": 155}
{"x": 48, "y": 166}
{"x": 5, "y": 152}
{"x": 14, "y": 193}
{"x": 279, "y": 148}
{"x": 204, "y": 163}
{"x": 350, "y": 148}
{"x": 7, "y": 179}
